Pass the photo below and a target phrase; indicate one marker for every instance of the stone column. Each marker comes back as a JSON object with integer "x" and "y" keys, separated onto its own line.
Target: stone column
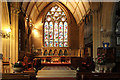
{"x": 104, "y": 14}
{"x": 5, "y": 27}
{"x": 96, "y": 28}
{"x": 95, "y": 35}
{"x": 81, "y": 39}
{"x": 0, "y": 39}
{"x": 14, "y": 32}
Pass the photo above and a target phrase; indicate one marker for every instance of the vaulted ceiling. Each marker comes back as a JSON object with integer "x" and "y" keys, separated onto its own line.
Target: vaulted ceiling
{"x": 78, "y": 8}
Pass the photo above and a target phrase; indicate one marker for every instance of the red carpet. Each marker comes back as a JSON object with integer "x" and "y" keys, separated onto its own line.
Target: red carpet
{"x": 61, "y": 78}
{"x": 56, "y": 68}
{"x": 56, "y": 73}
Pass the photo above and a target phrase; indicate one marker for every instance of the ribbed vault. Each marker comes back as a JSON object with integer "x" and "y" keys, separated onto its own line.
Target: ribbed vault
{"x": 78, "y": 8}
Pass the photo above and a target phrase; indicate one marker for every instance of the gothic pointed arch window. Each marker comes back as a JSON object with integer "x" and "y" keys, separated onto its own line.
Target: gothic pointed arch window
{"x": 55, "y": 28}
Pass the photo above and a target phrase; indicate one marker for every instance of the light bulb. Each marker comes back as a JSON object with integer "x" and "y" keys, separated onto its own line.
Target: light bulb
{"x": 8, "y": 30}
{"x": 101, "y": 29}
{"x": 116, "y": 30}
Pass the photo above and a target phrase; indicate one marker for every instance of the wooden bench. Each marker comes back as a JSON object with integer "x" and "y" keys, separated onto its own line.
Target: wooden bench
{"x": 19, "y": 76}
{"x": 98, "y": 76}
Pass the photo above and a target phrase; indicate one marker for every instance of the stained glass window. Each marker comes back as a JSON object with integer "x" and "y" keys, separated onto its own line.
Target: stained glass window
{"x": 48, "y": 13}
{"x": 60, "y": 34}
{"x": 59, "y": 9}
{"x": 51, "y": 34}
{"x": 55, "y": 28}
{"x": 48, "y": 18}
{"x": 46, "y": 34}
{"x": 56, "y": 34}
{"x": 65, "y": 34}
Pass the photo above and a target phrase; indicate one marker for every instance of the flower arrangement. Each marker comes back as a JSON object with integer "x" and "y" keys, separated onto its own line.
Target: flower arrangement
{"x": 18, "y": 67}
{"x": 101, "y": 58}
{"x": 18, "y": 64}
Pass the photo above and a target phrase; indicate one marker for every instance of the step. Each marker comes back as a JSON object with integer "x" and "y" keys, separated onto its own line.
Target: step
{"x": 56, "y": 75}
{"x": 57, "y": 71}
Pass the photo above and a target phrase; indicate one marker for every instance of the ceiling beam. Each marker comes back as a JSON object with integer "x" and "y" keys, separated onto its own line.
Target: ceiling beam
{"x": 78, "y": 8}
{"x": 27, "y": 7}
{"x": 39, "y": 4}
{"x": 31, "y": 9}
{"x": 80, "y": 11}
{"x": 42, "y": 9}
{"x": 66, "y": 2}
{"x": 75, "y": 9}
{"x": 84, "y": 6}
{"x": 71, "y": 5}
{"x": 89, "y": 3}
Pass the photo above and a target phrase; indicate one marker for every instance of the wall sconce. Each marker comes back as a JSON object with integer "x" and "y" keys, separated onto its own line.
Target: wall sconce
{"x": 105, "y": 45}
{"x": 5, "y": 34}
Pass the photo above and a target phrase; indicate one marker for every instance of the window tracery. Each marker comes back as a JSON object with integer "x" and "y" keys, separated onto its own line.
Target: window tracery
{"x": 55, "y": 28}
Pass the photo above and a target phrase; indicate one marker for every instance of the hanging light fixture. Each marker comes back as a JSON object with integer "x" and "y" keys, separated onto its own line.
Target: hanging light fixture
{"x": 6, "y": 33}
{"x": 117, "y": 27}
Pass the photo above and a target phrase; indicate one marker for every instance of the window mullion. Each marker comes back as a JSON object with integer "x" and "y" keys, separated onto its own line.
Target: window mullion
{"x": 63, "y": 34}
{"x": 67, "y": 34}
{"x": 49, "y": 35}
{"x": 58, "y": 33}
{"x": 53, "y": 32}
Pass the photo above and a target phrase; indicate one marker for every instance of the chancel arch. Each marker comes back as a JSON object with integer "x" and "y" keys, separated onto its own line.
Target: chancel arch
{"x": 72, "y": 28}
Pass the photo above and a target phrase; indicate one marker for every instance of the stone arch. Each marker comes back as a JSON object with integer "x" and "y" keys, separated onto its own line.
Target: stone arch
{"x": 65, "y": 52}
{"x": 60, "y": 52}
{"x": 55, "y": 52}
{"x": 45, "y": 52}
{"x": 49, "y": 6}
{"x": 50, "y": 52}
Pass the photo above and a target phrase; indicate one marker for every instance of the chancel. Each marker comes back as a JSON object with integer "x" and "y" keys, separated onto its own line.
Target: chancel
{"x": 59, "y": 40}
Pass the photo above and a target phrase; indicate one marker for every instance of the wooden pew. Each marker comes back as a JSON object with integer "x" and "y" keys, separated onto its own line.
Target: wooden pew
{"x": 98, "y": 76}
{"x": 84, "y": 64}
{"x": 19, "y": 76}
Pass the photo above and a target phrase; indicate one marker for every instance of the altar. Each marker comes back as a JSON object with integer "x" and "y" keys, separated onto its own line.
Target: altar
{"x": 54, "y": 56}
{"x": 54, "y": 60}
